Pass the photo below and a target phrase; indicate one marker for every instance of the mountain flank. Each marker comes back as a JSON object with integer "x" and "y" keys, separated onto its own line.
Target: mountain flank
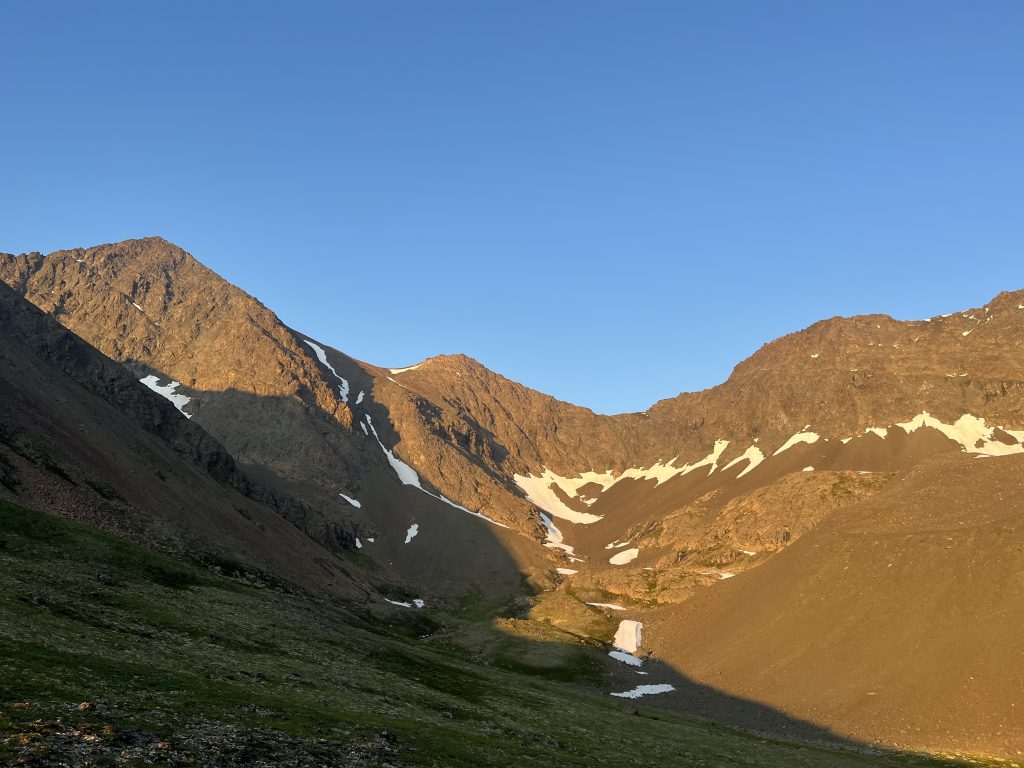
{"x": 449, "y": 483}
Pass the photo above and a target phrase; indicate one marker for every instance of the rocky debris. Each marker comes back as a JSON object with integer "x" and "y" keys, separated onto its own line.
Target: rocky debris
{"x": 66, "y": 741}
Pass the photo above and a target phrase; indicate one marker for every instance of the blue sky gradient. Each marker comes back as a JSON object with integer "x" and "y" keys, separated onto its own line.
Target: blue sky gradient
{"x": 611, "y": 202}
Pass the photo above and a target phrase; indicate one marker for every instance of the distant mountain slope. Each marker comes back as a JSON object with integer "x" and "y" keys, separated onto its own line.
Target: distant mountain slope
{"x": 899, "y": 620}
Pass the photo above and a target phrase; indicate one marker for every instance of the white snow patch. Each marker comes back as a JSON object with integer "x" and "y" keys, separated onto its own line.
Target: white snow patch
{"x": 814, "y": 355}
{"x": 726, "y": 575}
{"x": 617, "y": 545}
{"x": 411, "y": 533}
{"x": 970, "y": 432}
{"x": 371, "y": 540}
{"x": 359, "y": 544}
{"x": 626, "y": 658}
{"x": 800, "y": 437}
{"x": 137, "y": 306}
{"x": 566, "y": 571}
{"x": 350, "y": 500}
{"x": 645, "y": 690}
{"x": 625, "y": 556}
{"x": 555, "y": 540}
{"x": 752, "y": 455}
{"x": 845, "y": 440}
{"x": 418, "y": 603}
{"x": 965, "y": 333}
{"x": 322, "y": 357}
{"x": 807, "y": 469}
{"x": 747, "y": 552}
{"x": 880, "y": 431}
{"x": 360, "y": 398}
{"x": 167, "y": 391}
{"x": 365, "y": 432}
{"x": 395, "y": 602}
{"x": 629, "y": 636}
{"x": 538, "y": 489}
{"x": 403, "y": 370}
{"x": 609, "y": 606}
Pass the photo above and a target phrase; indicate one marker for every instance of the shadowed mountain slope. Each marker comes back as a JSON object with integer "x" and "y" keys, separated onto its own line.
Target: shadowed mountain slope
{"x": 80, "y": 437}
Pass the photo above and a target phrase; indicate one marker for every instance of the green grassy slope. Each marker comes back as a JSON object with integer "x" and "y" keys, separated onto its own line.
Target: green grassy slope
{"x": 113, "y": 655}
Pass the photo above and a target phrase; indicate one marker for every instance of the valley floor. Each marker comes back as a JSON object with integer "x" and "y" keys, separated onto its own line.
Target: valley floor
{"x": 113, "y": 655}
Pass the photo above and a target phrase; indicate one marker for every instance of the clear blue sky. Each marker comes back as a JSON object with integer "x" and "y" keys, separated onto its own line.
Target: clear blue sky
{"x": 612, "y": 202}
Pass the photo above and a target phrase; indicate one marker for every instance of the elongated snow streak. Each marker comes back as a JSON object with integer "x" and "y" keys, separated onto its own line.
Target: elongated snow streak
{"x": 167, "y": 391}
{"x": 566, "y": 571}
{"x": 411, "y": 533}
{"x": 645, "y": 690}
{"x": 626, "y": 658}
{"x": 408, "y": 476}
{"x": 322, "y": 357}
{"x": 628, "y": 636}
{"x": 609, "y": 606}
{"x": 359, "y": 399}
{"x": 403, "y": 370}
{"x": 800, "y": 437}
{"x": 350, "y": 500}
{"x": 417, "y": 602}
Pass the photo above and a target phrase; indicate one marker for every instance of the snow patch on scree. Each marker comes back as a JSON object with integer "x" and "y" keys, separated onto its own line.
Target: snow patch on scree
{"x": 322, "y": 357}
{"x": 539, "y": 490}
{"x": 752, "y": 456}
{"x": 555, "y": 540}
{"x": 609, "y": 606}
{"x": 626, "y": 658}
{"x": 350, "y": 500}
{"x": 803, "y": 436}
{"x": 625, "y": 556}
{"x": 645, "y": 690}
{"x": 167, "y": 391}
{"x": 970, "y": 432}
{"x": 411, "y": 533}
